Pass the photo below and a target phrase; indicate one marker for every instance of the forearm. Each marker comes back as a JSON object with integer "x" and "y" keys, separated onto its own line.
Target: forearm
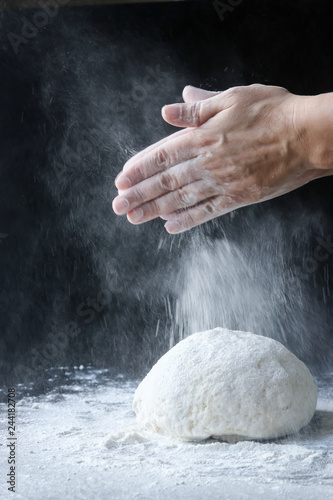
{"x": 316, "y": 128}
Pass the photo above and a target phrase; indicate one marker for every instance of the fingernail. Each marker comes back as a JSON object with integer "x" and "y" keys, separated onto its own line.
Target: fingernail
{"x": 123, "y": 183}
{"x": 172, "y": 227}
{"x": 163, "y": 112}
{"x": 121, "y": 205}
{"x": 171, "y": 112}
{"x": 136, "y": 215}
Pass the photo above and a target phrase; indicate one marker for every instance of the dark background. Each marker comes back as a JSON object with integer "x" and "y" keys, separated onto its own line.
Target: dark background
{"x": 61, "y": 246}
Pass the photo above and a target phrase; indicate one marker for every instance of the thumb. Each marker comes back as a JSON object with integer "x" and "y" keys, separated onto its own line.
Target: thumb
{"x": 193, "y": 94}
{"x": 192, "y": 114}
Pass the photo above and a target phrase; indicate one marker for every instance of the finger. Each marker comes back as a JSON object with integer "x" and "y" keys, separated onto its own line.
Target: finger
{"x": 181, "y": 148}
{"x": 195, "y": 113}
{"x": 171, "y": 215}
{"x": 208, "y": 210}
{"x": 190, "y": 94}
{"x": 150, "y": 148}
{"x": 185, "y": 197}
{"x": 160, "y": 184}
{"x": 193, "y": 94}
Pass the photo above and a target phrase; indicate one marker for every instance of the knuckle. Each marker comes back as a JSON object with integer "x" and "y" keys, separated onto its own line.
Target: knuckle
{"x": 168, "y": 181}
{"x": 161, "y": 158}
{"x": 138, "y": 197}
{"x": 234, "y": 92}
{"x": 185, "y": 198}
{"x": 210, "y": 188}
{"x": 196, "y": 112}
{"x": 256, "y": 86}
{"x": 143, "y": 171}
{"x": 153, "y": 207}
{"x": 209, "y": 208}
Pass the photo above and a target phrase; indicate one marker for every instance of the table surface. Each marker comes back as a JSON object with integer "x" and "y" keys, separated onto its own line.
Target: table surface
{"x": 79, "y": 440}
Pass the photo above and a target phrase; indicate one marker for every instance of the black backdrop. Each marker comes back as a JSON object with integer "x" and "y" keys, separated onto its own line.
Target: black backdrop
{"x": 79, "y": 95}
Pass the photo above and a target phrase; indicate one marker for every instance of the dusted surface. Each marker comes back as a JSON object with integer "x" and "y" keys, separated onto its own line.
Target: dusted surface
{"x": 80, "y": 441}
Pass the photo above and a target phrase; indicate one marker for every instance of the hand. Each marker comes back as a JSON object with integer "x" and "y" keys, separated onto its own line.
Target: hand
{"x": 240, "y": 147}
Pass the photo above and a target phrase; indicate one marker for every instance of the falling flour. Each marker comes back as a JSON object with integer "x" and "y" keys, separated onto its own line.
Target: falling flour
{"x": 226, "y": 384}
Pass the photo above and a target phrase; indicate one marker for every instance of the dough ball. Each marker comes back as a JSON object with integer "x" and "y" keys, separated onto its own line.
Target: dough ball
{"x": 229, "y": 385}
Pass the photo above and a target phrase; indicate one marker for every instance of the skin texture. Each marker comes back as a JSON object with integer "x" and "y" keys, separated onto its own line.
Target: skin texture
{"x": 238, "y": 147}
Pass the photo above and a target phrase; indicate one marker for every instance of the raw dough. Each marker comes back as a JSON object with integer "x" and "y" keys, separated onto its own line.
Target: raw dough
{"x": 229, "y": 385}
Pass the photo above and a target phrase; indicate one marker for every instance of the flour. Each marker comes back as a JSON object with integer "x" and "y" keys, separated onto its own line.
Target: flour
{"x": 83, "y": 442}
{"x": 226, "y": 384}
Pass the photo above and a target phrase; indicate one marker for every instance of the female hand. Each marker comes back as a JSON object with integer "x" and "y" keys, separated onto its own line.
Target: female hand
{"x": 241, "y": 146}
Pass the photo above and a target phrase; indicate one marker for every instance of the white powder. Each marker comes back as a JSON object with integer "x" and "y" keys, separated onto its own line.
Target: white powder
{"x": 84, "y": 443}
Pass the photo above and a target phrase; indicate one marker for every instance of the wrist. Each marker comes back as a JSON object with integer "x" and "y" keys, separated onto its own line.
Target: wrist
{"x": 314, "y": 120}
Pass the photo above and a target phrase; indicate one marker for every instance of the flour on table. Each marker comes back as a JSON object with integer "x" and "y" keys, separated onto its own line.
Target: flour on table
{"x": 226, "y": 384}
